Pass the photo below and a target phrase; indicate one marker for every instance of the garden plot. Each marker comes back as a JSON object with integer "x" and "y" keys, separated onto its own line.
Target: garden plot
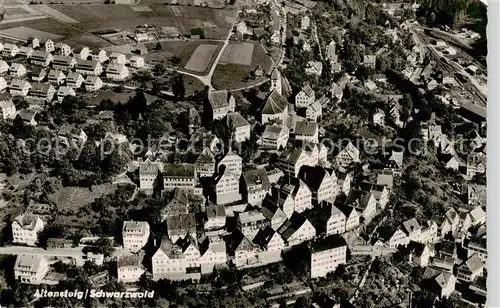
{"x": 238, "y": 53}
{"x": 201, "y": 58}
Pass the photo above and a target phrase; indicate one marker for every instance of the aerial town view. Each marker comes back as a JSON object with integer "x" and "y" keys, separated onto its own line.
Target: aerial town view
{"x": 243, "y": 153}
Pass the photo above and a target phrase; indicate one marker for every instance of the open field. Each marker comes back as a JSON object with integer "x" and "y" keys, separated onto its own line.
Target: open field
{"x": 238, "y": 53}
{"x": 55, "y": 14}
{"x": 104, "y": 17}
{"x": 65, "y": 32}
{"x": 230, "y": 76}
{"x": 182, "y": 49}
{"x": 209, "y": 3}
{"x": 24, "y": 33}
{"x": 201, "y": 58}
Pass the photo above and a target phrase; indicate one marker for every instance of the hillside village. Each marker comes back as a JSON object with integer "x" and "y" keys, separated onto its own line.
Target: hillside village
{"x": 351, "y": 175}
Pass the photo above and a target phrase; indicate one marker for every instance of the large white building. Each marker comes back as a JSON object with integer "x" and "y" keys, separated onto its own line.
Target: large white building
{"x": 275, "y": 137}
{"x": 220, "y": 103}
{"x": 322, "y": 184}
{"x": 179, "y": 176}
{"x": 135, "y": 234}
{"x": 326, "y": 254}
{"x": 231, "y": 161}
{"x": 117, "y": 71}
{"x": 227, "y": 187}
{"x": 130, "y": 268}
{"x": 275, "y": 109}
{"x": 238, "y": 126}
{"x": 25, "y": 229}
{"x": 30, "y": 268}
{"x": 305, "y": 97}
{"x": 336, "y": 223}
{"x": 149, "y": 173}
{"x": 297, "y": 229}
{"x": 256, "y": 185}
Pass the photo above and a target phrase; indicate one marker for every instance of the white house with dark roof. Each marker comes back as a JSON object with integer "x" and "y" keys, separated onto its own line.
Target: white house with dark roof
{"x": 306, "y": 131}
{"x": 348, "y": 154}
{"x": 212, "y": 253}
{"x": 136, "y": 62}
{"x": 149, "y": 173}
{"x": 314, "y": 68}
{"x": 178, "y": 203}
{"x": 10, "y": 50}
{"x": 227, "y": 187}
{"x": 181, "y": 176}
{"x": 171, "y": 259}
{"x": 297, "y": 229}
{"x": 93, "y": 83}
{"x": 62, "y": 49}
{"x": 275, "y": 137}
{"x": 99, "y": 56}
{"x": 275, "y": 109}
{"x": 117, "y": 58}
{"x": 63, "y": 91}
{"x": 272, "y": 210}
{"x": 471, "y": 268}
{"x": 238, "y": 126}
{"x": 178, "y": 226}
{"x": 220, "y": 103}
{"x": 327, "y": 254}
{"x": 38, "y": 73}
{"x": 364, "y": 202}
{"x": 26, "y": 51}
{"x": 292, "y": 159}
{"x": 19, "y": 87}
{"x": 25, "y": 229}
{"x": 63, "y": 63}
{"x": 116, "y": 71}
{"x": 28, "y": 116}
{"x": 269, "y": 240}
{"x": 41, "y": 58}
{"x": 205, "y": 163}
{"x": 445, "y": 284}
{"x": 7, "y": 107}
{"x": 4, "y": 67}
{"x": 30, "y": 268}
{"x": 352, "y": 217}
{"x": 86, "y": 67}
{"x": 314, "y": 111}
{"x": 336, "y": 223}
{"x": 43, "y": 91}
{"x": 129, "y": 268}
{"x": 48, "y": 45}
{"x": 56, "y": 76}
{"x": 74, "y": 80}
{"x": 81, "y": 52}
{"x": 17, "y": 70}
{"x": 305, "y": 97}
{"x": 72, "y": 135}
{"x": 255, "y": 184}
{"x": 135, "y": 234}
{"x": 231, "y": 161}
{"x": 321, "y": 182}
{"x": 216, "y": 216}
{"x": 250, "y": 222}
{"x": 243, "y": 250}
